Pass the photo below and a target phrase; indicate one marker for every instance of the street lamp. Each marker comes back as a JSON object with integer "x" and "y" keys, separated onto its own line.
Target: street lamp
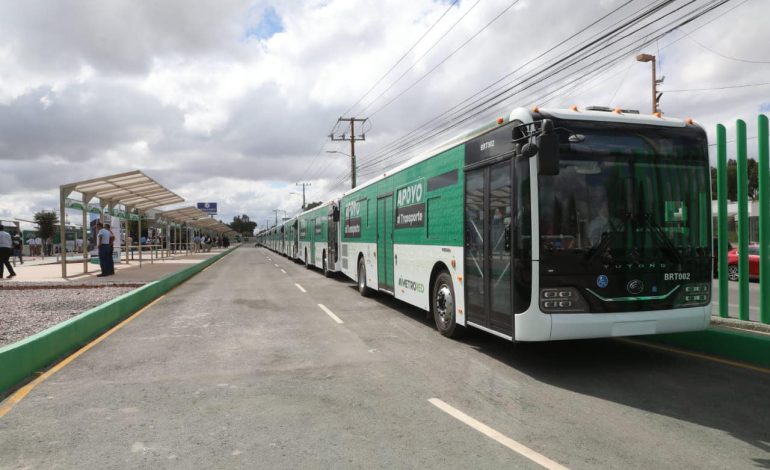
{"x": 352, "y": 165}
{"x": 655, "y": 81}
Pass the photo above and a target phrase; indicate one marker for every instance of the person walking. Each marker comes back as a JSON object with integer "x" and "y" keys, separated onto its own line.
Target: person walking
{"x": 104, "y": 240}
{"x": 18, "y": 245}
{"x": 5, "y": 253}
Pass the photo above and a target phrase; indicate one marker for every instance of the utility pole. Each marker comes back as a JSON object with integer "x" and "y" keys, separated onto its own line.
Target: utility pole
{"x": 276, "y": 215}
{"x": 303, "y": 193}
{"x": 352, "y": 138}
{"x": 655, "y": 82}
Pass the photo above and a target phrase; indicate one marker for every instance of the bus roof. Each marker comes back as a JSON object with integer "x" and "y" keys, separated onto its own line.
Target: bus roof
{"x": 607, "y": 115}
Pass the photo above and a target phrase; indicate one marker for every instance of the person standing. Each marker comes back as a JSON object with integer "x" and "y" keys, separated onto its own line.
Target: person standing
{"x": 18, "y": 245}
{"x": 5, "y": 253}
{"x": 39, "y": 246}
{"x": 104, "y": 240}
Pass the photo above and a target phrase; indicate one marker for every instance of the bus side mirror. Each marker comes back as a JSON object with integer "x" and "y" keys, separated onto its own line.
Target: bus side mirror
{"x": 548, "y": 152}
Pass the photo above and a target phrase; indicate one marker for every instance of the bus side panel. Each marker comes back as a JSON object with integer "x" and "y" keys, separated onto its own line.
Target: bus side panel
{"x": 349, "y": 265}
{"x": 413, "y": 267}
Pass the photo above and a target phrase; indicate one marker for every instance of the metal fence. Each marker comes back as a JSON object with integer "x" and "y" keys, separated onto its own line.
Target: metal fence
{"x": 743, "y": 223}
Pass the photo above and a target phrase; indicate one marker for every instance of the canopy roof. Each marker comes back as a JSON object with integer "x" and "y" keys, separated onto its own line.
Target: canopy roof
{"x": 182, "y": 214}
{"x": 194, "y": 217}
{"x": 133, "y": 189}
{"x": 212, "y": 224}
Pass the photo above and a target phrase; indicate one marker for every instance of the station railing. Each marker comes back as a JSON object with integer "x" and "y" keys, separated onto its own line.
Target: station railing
{"x": 742, "y": 174}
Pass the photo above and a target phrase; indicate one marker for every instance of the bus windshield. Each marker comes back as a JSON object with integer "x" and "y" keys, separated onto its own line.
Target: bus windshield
{"x": 625, "y": 194}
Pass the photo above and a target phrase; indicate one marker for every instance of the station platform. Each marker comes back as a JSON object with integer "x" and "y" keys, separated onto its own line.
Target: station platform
{"x": 38, "y": 271}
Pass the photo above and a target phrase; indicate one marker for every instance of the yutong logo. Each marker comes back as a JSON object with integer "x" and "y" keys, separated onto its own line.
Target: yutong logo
{"x": 353, "y": 219}
{"x": 410, "y": 210}
{"x": 635, "y": 287}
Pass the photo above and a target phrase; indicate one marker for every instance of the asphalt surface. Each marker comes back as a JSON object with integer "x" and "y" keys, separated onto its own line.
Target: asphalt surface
{"x": 238, "y": 368}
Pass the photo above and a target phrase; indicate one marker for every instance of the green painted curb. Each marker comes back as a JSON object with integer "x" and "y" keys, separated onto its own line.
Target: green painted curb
{"x": 22, "y": 359}
{"x": 752, "y": 348}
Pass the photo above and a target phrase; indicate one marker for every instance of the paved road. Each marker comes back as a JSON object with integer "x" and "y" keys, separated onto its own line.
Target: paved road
{"x": 238, "y": 368}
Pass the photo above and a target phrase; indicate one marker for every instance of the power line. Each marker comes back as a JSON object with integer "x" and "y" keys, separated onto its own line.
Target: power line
{"x": 725, "y": 56}
{"x": 597, "y": 44}
{"x": 414, "y": 64}
{"x": 716, "y": 88}
{"x": 402, "y": 57}
{"x": 497, "y": 17}
{"x": 507, "y": 90}
{"x": 468, "y": 104}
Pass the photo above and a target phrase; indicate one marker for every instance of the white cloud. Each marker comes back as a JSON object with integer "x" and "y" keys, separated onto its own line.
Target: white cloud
{"x": 231, "y": 101}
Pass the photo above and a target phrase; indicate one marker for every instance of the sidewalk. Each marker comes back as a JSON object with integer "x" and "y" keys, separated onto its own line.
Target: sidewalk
{"x": 33, "y": 273}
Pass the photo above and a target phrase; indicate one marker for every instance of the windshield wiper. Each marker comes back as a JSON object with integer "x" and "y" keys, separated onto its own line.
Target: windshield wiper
{"x": 665, "y": 242}
{"x": 603, "y": 244}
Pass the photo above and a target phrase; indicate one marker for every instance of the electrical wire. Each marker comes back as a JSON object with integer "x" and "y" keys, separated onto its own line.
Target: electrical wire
{"x": 684, "y": 19}
{"x": 414, "y": 64}
{"x": 468, "y": 104}
{"x": 608, "y": 36}
{"x": 728, "y": 87}
{"x": 451, "y": 5}
{"x": 451, "y": 54}
{"x": 725, "y": 56}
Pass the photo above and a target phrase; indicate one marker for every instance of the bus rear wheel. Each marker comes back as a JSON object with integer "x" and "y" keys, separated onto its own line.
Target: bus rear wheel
{"x": 326, "y": 271}
{"x": 363, "y": 289}
{"x": 444, "y": 308}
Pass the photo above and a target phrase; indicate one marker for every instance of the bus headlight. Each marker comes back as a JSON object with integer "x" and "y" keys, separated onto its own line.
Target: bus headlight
{"x": 692, "y": 295}
{"x": 562, "y": 300}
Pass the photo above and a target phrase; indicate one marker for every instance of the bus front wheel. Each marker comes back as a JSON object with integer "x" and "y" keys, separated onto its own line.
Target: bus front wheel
{"x": 444, "y": 308}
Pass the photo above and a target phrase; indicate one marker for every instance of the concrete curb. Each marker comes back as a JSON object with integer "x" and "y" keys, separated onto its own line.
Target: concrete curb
{"x": 21, "y": 360}
{"x": 729, "y": 343}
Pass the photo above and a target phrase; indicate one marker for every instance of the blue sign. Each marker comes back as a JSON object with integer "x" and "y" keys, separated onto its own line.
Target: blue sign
{"x": 602, "y": 281}
{"x": 209, "y": 208}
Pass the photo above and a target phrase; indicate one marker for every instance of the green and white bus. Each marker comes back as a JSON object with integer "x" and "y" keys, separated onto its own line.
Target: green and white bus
{"x": 318, "y": 237}
{"x": 549, "y": 224}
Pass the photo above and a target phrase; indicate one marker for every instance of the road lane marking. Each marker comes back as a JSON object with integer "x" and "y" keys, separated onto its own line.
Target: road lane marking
{"x": 330, "y": 313}
{"x": 283, "y": 271}
{"x": 694, "y": 354}
{"x": 276, "y": 265}
{"x": 300, "y": 288}
{"x": 24, "y": 391}
{"x": 515, "y": 446}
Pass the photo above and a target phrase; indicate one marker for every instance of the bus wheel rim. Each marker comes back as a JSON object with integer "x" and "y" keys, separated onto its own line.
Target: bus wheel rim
{"x": 444, "y": 305}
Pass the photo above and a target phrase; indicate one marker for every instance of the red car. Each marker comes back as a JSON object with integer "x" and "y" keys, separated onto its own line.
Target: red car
{"x": 732, "y": 263}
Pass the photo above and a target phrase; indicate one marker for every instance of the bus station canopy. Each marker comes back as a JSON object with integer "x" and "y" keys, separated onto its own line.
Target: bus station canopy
{"x": 194, "y": 217}
{"x": 182, "y": 214}
{"x": 133, "y": 189}
{"x": 211, "y": 224}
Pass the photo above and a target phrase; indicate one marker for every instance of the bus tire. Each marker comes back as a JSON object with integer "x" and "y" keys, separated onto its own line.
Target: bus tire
{"x": 443, "y": 306}
{"x": 326, "y": 271}
{"x": 363, "y": 289}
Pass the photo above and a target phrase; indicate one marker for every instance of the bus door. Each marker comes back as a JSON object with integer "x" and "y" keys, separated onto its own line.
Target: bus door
{"x": 311, "y": 237}
{"x": 385, "y": 242}
{"x": 295, "y": 239}
{"x": 331, "y": 237}
{"x": 488, "y": 282}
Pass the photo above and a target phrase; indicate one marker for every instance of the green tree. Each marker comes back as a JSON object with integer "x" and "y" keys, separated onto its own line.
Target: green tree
{"x": 242, "y": 224}
{"x": 732, "y": 179}
{"x": 46, "y": 222}
{"x": 311, "y": 205}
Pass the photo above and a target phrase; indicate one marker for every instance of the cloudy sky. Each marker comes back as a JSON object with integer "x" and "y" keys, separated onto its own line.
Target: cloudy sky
{"x": 233, "y": 101}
